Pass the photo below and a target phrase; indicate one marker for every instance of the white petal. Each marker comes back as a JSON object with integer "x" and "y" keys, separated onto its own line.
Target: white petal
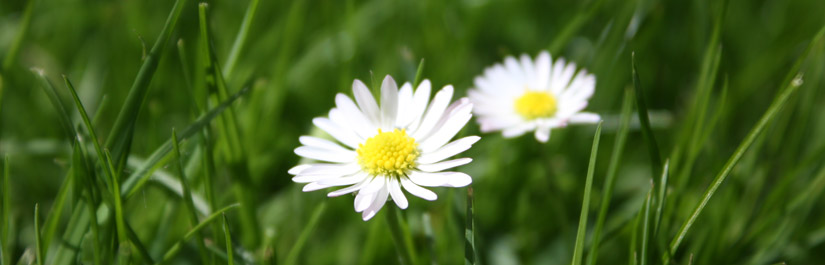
{"x": 421, "y": 99}
{"x": 448, "y": 150}
{"x": 562, "y": 81}
{"x": 389, "y": 102}
{"x": 313, "y": 187}
{"x": 439, "y": 104}
{"x": 326, "y": 155}
{"x": 449, "y": 128}
{"x": 297, "y": 169}
{"x": 396, "y": 193}
{"x": 514, "y": 70}
{"x": 543, "y": 133}
{"x": 376, "y": 184}
{"x": 418, "y": 191}
{"x": 435, "y": 167}
{"x": 585, "y": 117}
{"x": 529, "y": 70}
{"x": 376, "y": 205}
{"x": 518, "y": 129}
{"x": 348, "y": 190}
{"x": 405, "y": 106}
{"x": 344, "y": 136}
{"x": 363, "y": 200}
{"x": 440, "y": 179}
{"x": 343, "y": 181}
{"x": 339, "y": 169}
{"x": 361, "y": 129}
{"x": 313, "y": 178}
{"x": 362, "y": 125}
{"x": 543, "y": 69}
{"x": 366, "y": 101}
{"x": 321, "y": 143}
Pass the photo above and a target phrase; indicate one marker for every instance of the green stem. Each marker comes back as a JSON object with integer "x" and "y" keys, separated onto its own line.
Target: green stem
{"x": 404, "y": 249}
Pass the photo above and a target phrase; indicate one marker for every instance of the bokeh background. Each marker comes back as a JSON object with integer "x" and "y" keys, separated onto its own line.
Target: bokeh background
{"x": 528, "y": 196}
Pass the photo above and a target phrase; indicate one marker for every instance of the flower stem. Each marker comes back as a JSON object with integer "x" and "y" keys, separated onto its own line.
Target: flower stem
{"x": 401, "y": 236}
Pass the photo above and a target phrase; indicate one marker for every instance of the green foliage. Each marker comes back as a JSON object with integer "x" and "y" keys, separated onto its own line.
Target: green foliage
{"x": 711, "y": 149}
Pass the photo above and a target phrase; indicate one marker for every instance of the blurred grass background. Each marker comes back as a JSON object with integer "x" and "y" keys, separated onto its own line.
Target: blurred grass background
{"x": 528, "y": 197}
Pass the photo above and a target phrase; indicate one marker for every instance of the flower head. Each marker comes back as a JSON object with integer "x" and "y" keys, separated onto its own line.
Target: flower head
{"x": 522, "y": 95}
{"x": 378, "y": 150}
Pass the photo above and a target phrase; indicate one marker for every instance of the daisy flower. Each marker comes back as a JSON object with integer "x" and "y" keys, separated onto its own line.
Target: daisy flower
{"x": 520, "y": 96}
{"x": 403, "y": 143}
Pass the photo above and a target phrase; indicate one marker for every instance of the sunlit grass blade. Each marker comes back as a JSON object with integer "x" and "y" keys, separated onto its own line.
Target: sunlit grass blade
{"x": 292, "y": 257}
{"x": 418, "y": 73}
{"x": 81, "y": 174}
{"x": 644, "y": 120}
{"x": 612, "y": 169}
{"x": 120, "y": 137}
{"x": 140, "y": 176}
{"x": 767, "y": 117}
{"x": 662, "y": 197}
{"x": 469, "y": 231}
{"x": 228, "y": 238}
{"x": 578, "y": 251}
{"x": 192, "y": 232}
{"x": 53, "y": 219}
{"x": 646, "y": 226}
{"x": 37, "y": 241}
{"x": 187, "y": 197}
{"x": 11, "y": 54}
{"x": 240, "y": 39}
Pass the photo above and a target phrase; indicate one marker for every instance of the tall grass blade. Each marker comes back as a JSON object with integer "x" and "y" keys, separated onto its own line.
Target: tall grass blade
{"x": 644, "y": 120}
{"x": 646, "y": 226}
{"x": 53, "y": 219}
{"x": 6, "y": 214}
{"x": 120, "y": 137}
{"x": 662, "y": 197}
{"x": 187, "y": 197}
{"x": 292, "y": 257}
{"x": 612, "y": 169}
{"x": 37, "y": 241}
{"x": 62, "y": 112}
{"x": 81, "y": 174}
{"x": 240, "y": 39}
{"x": 469, "y": 231}
{"x": 772, "y": 111}
{"x": 578, "y": 251}
{"x": 418, "y": 74}
{"x": 228, "y": 238}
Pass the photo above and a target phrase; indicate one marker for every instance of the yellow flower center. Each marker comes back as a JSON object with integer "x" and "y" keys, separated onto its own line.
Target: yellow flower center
{"x": 536, "y": 104}
{"x": 388, "y": 153}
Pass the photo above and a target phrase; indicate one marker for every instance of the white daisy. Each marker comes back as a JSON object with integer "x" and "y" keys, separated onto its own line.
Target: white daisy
{"x": 521, "y": 96}
{"x": 403, "y": 143}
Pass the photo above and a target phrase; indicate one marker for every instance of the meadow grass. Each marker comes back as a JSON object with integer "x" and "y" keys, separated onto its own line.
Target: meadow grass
{"x": 710, "y": 150}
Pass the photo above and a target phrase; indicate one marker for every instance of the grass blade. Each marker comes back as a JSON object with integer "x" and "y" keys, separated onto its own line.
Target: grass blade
{"x": 141, "y": 175}
{"x": 292, "y": 257}
{"x": 187, "y": 196}
{"x": 52, "y": 220}
{"x": 612, "y": 169}
{"x": 120, "y": 137}
{"x": 65, "y": 120}
{"x": 6, "y": 204}
{"x": 775, "y": 107}
{"x": 240, "y": 39}
{"x": 11, "y": 55}
{"x": 192, "y": 232}
{"x": 662, "y": 199}
{"x": 37, "y": 241}
{"x": 81, "y": 173}
{"x": 646, "y": 226}
{"x": 644, "y": 120}
{"x": 469, "y": 231}
{"x": 228, "y": 238}
{"x": 588, "y": 186}
{"x": 418, "y": 73}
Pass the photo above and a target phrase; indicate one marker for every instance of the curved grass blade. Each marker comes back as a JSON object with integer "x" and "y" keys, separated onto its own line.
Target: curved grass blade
{"x": 65, "y": 120}
{"x": 120, "y": 137}
{"x": 240, "y": 39}
{"x": 228, "y": 238}
{"x": 192, "y": 232}
{"x": 662, "y": 197}
{"x": 292, "y": 257}
{"x": 52, "y": 220}
{"x": 612, "y": 169}
{"x": 644, "y": 120}
{"x": 11, "y": 55}
{"x": 6, "y": 204}
{"x": 141, "y": 175}
{"x": 469, "y": 231}
{"x": 578, "y": 251}
{"x": 418, "y": 74}
{"x": 37, "y": 241}
{"x": 772, "y": 111}
{"x": 81, "y": 173}
{"x": 187, "y": 196}
{"x": 646, "y": 225}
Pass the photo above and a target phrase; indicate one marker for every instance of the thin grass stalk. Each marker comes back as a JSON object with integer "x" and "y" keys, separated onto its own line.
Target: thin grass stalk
{"x": 578, "y": 251}
{"x": 14, "y": 50}
{"x": 292, "y": 256}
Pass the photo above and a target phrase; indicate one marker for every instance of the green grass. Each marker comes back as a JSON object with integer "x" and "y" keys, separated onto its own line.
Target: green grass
{"x": 710, "y": 151}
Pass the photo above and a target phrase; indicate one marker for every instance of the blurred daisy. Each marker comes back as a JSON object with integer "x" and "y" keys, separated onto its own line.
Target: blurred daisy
{"x": 403, "y": 143}
{"x": 522, "y": 96}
